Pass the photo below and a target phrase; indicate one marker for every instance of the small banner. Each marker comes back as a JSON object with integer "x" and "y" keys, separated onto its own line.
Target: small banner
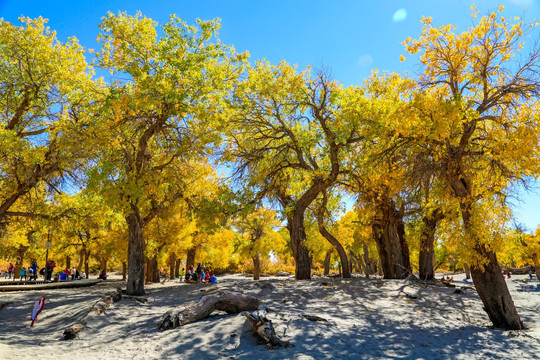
{"x": 38, "y": 306}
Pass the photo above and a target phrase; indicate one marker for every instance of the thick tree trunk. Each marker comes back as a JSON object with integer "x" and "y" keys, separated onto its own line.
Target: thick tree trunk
{"x": 337, "y": 245}
{"x": 487, "y": 278}
{"x": 227, "y": 301}
{"x": 426, "y": 260}
{"x": 152, "y": 270}
{"x": 190, "y": 261}
{"x": 256, "y": 267}
{"x": 493, "y": 291}
{"x": 388, "y": 231}
{"x": 298, "y": 244}
{"x": 135, "y": 280}
{"x": 327, "y": 262}
{"x": 467, "y": 271}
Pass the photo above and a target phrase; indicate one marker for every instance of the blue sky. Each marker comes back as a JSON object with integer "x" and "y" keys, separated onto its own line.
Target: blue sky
{"x": 350, "y": 38}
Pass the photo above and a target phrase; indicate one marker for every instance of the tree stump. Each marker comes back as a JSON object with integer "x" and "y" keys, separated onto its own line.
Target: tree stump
{"x": 98, "y": 308}
{"x": 264, "y": 328}
{"x": 227, "y": 301}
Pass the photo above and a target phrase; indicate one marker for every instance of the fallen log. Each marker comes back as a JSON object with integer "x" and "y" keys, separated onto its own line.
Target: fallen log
{"x": 264, "y": 328}
{"x": 227, "y": 301}
{"x": 97, "y": 309}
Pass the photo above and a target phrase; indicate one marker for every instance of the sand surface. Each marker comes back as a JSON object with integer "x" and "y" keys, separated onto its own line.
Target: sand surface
{"x": 366, "y": 319}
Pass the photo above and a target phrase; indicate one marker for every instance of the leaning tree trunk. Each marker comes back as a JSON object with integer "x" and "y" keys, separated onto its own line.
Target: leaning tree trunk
{"x": 327, "y": 262}
{"x": 337, "y": 245}
{"x": 256, "y": 267}
{"x": 135, "y": 281}
{"x": 493, "y": 292}
{"x": 487, "y": 278}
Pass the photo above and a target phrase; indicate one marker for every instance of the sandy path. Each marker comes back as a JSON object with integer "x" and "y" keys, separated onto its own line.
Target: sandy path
{"x": 367, "y": 319}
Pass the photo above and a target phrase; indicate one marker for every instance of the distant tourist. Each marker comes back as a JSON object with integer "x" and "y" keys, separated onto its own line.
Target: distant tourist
{"x": 22, "y": 273}
{"x": 103, "y": 275}
{"x": 11, "y": 268}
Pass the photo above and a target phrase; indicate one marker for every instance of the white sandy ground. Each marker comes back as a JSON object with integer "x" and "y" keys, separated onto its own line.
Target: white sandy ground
{"x": 367, "y": 319}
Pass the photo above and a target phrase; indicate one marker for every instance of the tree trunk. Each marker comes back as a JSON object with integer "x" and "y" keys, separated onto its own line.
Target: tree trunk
{"x": 177, "y": 264}
{"x": 135, "y": 280}
{"x": 256, "y": 267}
{"x": 190, "y": 261}
{"x": 152, "y": 270}
{"x": 301, "y": 256}
{"x": 337, "y": 245}
{"x": 86, "y": 267}
{"x": 172, "y": 263}
{"x": 81, "y": 259}
{"x": 388, "y": 231}
{"x": 467, "y": 271}
{"x": 368, "y": 268}
{"x": 68, "y": 262}
{"x": 227, "y": 301}
{"x": 493, "y": 291}
{"x": 488, "y": 279}
{"x": 124, "y": 270}
{"x": 327, "y": 262}
{"x": 427, "y": 249}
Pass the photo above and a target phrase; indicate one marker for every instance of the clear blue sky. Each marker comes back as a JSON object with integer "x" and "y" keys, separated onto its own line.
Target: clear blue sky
{"x": 350, "y": 38}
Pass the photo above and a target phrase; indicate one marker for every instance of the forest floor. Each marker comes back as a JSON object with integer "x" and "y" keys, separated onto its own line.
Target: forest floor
{"x": 366, "y": 319}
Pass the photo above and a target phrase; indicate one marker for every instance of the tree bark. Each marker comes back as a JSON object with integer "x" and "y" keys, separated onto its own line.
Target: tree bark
{"x": 426, "y": 260}
{"x": 327, "y": 262}
{"x": 467, "y": 271}
{"x": 487, "y": 279}
{"x": 341, "y": 251}
{"x": 68, "y": 262}
{"x": 152, "y": 270}
{"x": 298, "y": 243}
{"x": 124, "y": 270}
{"x": 256, "y": 267}
{"x": 368, "y": 269}
{"x": 190, "y": 261}
{"x": 227, "y": 301}
{"x": 264, "y": 328}
{"x": 135, "y": 280}
{"x": 388, "y": 231}
{"x": 172, "y": 264}
{"x": 493, "y": 291}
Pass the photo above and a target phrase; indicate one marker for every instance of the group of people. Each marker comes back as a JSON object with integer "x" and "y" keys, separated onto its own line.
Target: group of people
{"x": 31, "y": 272}
{"x": 25, "y": 273}
{"x": 200, "y": 275}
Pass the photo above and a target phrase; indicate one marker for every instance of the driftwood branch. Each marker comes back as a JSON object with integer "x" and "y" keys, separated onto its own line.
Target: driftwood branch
{"x": 264, "y": 328}
{"x": 227, "y": 301}
{"x": 98, "y": 308}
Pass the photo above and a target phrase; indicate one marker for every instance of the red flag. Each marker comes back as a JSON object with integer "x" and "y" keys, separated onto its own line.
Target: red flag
{"x": 38, "y": 306}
